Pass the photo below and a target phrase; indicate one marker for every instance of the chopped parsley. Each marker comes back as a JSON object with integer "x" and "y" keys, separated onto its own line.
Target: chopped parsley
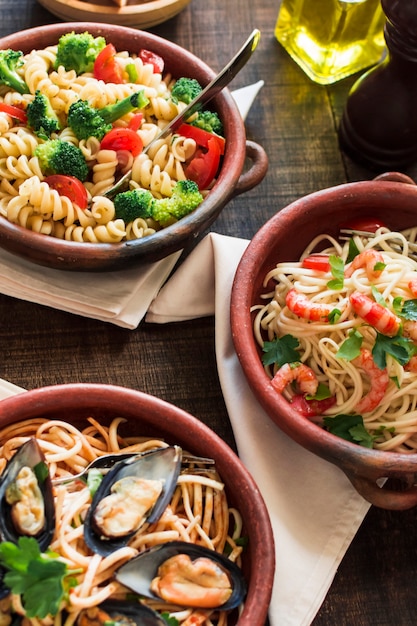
{"x": 351, "y": 347}
{"x": 280, "y": 351}
{"x": 349, "y": 427}
{"x": 337, "y": 268}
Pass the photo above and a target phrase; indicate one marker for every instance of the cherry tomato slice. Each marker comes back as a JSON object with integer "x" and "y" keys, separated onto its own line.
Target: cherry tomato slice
{"x": 70, "y": 187}
{"x": 318, "y": 262}
{"x": 106, "y": 67}
{"x": 312, "y": 408}
{"x": 203, "y": 167}
{"x": 136, "y": 121}
{"x": 122, "y": 139}
{"x": 14, "y": 112}
{"x": 149, "y": 57}
{"x": 367, "y": 224}
{"x": 201, "y": 136}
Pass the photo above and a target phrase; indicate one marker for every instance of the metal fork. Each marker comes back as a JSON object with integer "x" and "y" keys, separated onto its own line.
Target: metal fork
{"x": 348, "y": 233}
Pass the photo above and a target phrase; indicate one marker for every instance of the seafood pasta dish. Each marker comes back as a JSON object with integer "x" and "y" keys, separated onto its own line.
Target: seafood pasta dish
{"x": 75, "y": 117}
{"x": 97, "y": 528}
{"x": 338, "y": 332}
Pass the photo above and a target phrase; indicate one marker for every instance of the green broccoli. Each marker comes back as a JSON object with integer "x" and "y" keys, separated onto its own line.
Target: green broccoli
{"x": 185, "y": 89}
{"x": 87, "y": 121}
{"x": 78, "y": 51}
{"x": 209, "y": 121}
{"x": 10, "y": 61}
{"x": 42, "y": 117}
{"x": 185, "y": 198}
{"x": 61, "y": 157}
{"x": 133, "y": 203}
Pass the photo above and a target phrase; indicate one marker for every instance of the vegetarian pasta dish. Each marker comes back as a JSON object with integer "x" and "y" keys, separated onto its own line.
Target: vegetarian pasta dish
{"x": 66, "y": 540}
{"x": 75, "y": 117}
{"x": 339, "y": 336}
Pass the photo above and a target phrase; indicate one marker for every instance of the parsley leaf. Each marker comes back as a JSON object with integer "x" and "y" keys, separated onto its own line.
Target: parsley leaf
{"x": 322, "y": 393}
{"x": 400, "y": 348}
{"x": 409, "y": 310}
{"x": 337, "y": 268}
{"x": 349, "y": 427}
{"x": 378, "y": 297}
{"x": 94, "y": 479}
{"x": 36, "y": 576}
{"x": 353, "y": 251}
{"x": 334, "y": 316}
{"x": 280, "y": 351}
{"x": 170, "y": 619}
{"x": 351, "y": 347}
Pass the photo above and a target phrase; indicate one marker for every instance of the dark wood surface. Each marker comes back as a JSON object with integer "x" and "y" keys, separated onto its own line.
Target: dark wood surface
{"x": 296, "y": 121}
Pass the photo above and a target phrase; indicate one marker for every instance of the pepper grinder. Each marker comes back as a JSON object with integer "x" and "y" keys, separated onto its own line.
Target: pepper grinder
{"x": 379, "y": 123}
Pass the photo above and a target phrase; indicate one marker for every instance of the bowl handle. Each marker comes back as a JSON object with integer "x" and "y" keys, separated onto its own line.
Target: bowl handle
{"x": 395, "y": 177}
{"x": 382, "y": 497}
{"x": 257, "y": 171}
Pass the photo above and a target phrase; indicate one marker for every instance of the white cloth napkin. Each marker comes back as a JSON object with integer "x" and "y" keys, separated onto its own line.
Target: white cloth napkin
{"x": 314, "y": 510}
{"x": 121, "y": 297}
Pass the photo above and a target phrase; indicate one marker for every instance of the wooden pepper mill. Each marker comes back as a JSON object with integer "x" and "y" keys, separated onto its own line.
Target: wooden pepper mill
{"x": 379, "y": 123}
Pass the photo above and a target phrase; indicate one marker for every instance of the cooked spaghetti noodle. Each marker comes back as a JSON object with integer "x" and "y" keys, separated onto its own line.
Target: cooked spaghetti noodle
{"x": 198, "y": 513}
{"x": 369, "y": 303}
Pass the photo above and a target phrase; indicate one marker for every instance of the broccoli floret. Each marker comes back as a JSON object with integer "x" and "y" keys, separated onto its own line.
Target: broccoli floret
{"x": 78, "y": 51}
{"x": 209, "y": 121}
{"x": 134, "y": 203}
{"x": 61, "y": 157}
{"x": 10, "y": 61}
{"x": 87, "y": 121}
{"x": 185, "y": 89}
{"x": 185, "y": 198}
{"x": 42, "y": 117}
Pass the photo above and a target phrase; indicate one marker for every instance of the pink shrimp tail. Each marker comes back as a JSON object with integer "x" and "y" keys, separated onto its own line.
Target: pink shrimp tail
{"x": 301, "y": 306}
{"x": 378, "y": 316}
{"x": 304, "y": 375}
{"x": 369, "y": 260}
{"x": 379, "y": 380}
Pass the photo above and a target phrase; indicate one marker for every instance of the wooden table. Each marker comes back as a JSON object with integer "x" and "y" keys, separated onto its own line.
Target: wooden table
{"x": 296, "y": 121}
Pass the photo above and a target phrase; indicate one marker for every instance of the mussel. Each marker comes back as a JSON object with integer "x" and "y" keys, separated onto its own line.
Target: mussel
{"x": 185, "y": 574}
{"x": 26, "y": 498}
{"x": 121, "y": 612}
{"x": 136, "y": 490}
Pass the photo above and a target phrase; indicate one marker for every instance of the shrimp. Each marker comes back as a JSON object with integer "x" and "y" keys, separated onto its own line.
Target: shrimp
{"x": 301, "y": 373}
{"x": 412, "y": 285}
{"x": 301, "y": 306}
{"x": 378, "y": 316}
{"x": 369, "y": 260}
{"x": 379, "y": 380}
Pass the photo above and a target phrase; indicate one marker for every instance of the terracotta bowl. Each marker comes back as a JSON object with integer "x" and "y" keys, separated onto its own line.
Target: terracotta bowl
{"x": 284, "y": 237}
{"x": 150, "y": 416}
{"x": 231, "y": 181}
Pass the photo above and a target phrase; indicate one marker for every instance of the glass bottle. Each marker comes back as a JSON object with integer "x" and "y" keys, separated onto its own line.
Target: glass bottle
{"x": 331, "y": 39}
{"x": 379, "y": 123}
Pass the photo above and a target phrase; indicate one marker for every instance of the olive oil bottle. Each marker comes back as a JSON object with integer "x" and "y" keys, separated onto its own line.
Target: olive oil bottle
{"x": 331, "y": 39}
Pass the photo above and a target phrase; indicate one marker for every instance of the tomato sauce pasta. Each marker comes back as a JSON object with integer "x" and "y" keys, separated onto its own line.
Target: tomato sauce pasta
{"x": 198, "y": 513}
{"x": 345, "y": 319}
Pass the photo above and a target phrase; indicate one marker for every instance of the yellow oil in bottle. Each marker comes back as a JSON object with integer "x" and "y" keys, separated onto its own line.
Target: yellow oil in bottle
{"x": 331, "y": 39}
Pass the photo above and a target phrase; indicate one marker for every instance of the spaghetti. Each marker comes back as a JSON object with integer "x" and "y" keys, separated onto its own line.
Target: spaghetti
{"x": 352, "y": 312}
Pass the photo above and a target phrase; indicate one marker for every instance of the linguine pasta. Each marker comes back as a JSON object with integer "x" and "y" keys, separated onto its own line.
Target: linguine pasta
{"x": 327, "y": 315}
{"x": 198, "y": 513}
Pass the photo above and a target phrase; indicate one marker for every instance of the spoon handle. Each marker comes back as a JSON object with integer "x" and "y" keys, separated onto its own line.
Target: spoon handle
{"x": 208, "y": 93}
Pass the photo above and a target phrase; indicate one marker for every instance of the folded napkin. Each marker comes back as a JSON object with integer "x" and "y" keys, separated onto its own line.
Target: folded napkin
{"x": 121, "y": 297}
{"x": 314, "y": 510}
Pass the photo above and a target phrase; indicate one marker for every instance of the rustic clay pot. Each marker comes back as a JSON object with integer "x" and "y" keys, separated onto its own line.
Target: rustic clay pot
{"x": 231, "y": 181}
{"x": 147, "y": 415}
{"x": 284, "y": 237}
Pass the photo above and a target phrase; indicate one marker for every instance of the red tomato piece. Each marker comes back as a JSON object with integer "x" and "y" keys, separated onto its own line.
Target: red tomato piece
{"x": 203, "y": 167}
{"x": 367, "y": 224}
{"x": 122, "y": 139}
{"x": 318, "y": 262}
{"x": 70, "y": 187}
{"x": 312, "y": 408}
{"x": 14, "y": 112}
{"x": 106, "y": 67}
{"x": 151, "y": 58}
{"x": 201, "y": 136}
{"x": 136, "y": 121}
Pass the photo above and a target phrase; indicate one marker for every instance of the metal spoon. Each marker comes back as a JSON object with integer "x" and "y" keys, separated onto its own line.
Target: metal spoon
{"x": 107, "y": 461}
{"x": 208, "y": 93}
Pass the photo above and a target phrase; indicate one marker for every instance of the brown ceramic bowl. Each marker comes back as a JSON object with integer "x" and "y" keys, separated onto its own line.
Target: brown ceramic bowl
{"x": 231, "y": 180}
{"x": 284, "y": 237}
{"x": 150, "y": 416}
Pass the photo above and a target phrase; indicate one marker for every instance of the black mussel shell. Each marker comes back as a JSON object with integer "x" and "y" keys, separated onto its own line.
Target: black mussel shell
{"x": 135, "y": 612}
{"x": 162, "y": 464}
{"x": 138, "y": 573}
{"x": 29, "y": 454}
